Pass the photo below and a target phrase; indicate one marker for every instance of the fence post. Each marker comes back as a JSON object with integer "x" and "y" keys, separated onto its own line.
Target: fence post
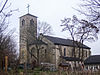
{"x": 6, "y": 63}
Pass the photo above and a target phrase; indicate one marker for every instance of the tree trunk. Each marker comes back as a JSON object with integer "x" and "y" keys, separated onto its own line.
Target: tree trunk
{"x": 25, "y": 68}
{"x": 73, "y": 51}
{"x": 38, "y": 60}
{"x": 82, "y": 52}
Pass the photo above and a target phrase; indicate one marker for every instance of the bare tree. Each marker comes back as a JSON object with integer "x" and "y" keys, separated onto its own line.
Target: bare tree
{"x": 7, "y": 48}
{"x": 91, "y": 9}
{"x": 80, "y": 31}
{"x": 68, "y": 24}
{"x": 44, "y": 28}
{"x": 86, "y": 31}
{"x": 7, "y": 44}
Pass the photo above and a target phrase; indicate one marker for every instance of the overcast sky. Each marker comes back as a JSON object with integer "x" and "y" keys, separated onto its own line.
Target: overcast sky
{"x": 50, "y": 11}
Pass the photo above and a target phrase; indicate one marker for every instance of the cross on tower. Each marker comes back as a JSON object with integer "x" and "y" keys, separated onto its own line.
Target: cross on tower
{"x": 28, "y": 8}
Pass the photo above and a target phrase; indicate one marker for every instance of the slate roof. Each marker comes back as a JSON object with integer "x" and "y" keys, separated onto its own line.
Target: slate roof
{"x": 94, "y": 59}
{"x": 71, "y": 58}
{"x": 61, "y": 41}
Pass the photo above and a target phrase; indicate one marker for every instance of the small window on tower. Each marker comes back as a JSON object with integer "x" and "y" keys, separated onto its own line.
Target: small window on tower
{"x": 31, "y": 22}
{"x": 23, "y": 22}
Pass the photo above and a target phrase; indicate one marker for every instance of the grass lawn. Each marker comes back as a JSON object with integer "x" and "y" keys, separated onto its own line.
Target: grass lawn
{"x": 37, "y": 71}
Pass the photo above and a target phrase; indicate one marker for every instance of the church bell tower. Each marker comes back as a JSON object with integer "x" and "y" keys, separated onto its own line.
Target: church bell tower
{"x": 26, "y": 21}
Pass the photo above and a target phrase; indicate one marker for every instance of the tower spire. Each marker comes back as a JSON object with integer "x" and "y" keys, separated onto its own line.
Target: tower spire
{"x": 28, "y": 7}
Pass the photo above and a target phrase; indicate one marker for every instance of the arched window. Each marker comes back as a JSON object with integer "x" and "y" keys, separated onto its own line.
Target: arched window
{"x": 31, "y": 22}
{"x": 86, "y": 53}
{"x": 23, "y": 22}
{"x": 64, "y": 51}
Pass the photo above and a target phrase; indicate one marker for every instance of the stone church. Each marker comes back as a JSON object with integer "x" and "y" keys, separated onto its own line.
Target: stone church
{"x": 51, "y": 49}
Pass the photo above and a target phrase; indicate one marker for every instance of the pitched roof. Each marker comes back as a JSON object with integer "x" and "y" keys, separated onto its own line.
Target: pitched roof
{"x": 29, "y": 15}
{"x": 61, "y": 41}
{"x": 71, "y": 58}
{"x": 94, "y": 59}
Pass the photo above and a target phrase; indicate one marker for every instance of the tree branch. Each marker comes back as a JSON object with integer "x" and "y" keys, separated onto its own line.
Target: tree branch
{"x": 3, "y": 6}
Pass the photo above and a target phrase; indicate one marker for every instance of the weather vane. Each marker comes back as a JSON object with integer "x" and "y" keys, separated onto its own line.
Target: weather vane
{"x": 28, "y": 7}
